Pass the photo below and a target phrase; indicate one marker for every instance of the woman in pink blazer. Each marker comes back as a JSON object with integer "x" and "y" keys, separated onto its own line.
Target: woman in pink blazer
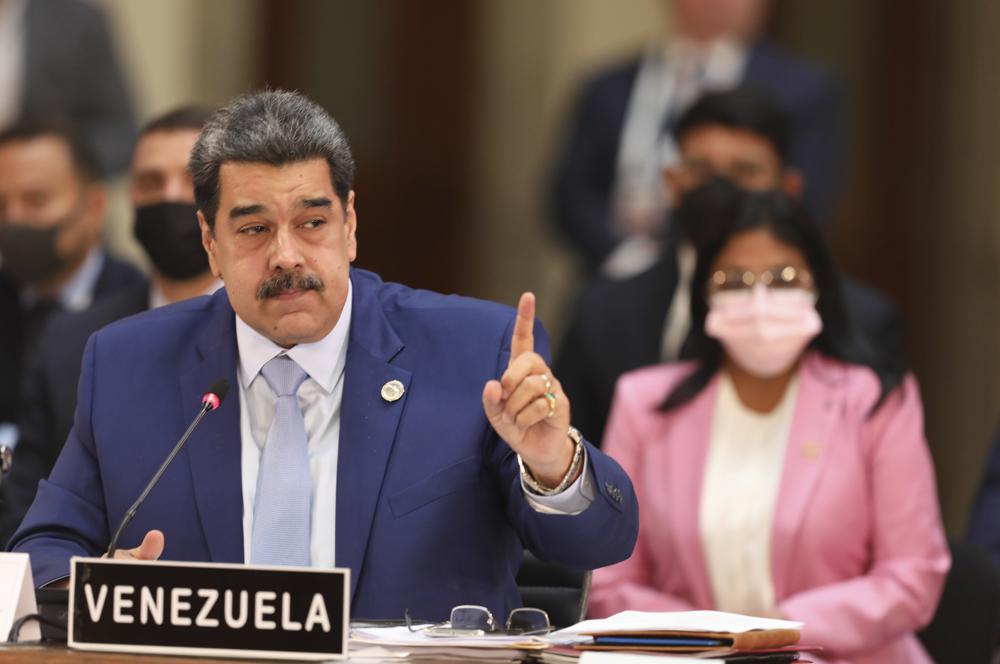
{"x": 780, "y": 472}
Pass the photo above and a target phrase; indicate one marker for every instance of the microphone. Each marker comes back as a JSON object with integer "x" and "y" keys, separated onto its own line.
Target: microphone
{"x": 210, "y": 401}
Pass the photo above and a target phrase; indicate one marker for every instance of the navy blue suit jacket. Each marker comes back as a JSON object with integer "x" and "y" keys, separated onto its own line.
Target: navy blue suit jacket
{"x": 585, "y": 172}
{"x": 430, "y": 511}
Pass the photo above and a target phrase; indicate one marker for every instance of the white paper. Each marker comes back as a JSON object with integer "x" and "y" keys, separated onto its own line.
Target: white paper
{"x": 17, "y": 596}
{"x": 679, "y": 621}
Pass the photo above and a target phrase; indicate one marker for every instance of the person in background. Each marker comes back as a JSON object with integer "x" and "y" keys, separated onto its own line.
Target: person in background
{"x": 780, "y": 472}
{"x": 57, "y": 58}
{"x": 623, "y": 324}
{"x": 984, "y": 522}
{"x": 608, "y": 195}
{"x": 166, "y": 226}
{"x": 52, "y": 212}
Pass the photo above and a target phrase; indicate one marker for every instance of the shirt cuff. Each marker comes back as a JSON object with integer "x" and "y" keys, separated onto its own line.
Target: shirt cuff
{"x": 571, "y": 501}
{"x": 8, "y": 434}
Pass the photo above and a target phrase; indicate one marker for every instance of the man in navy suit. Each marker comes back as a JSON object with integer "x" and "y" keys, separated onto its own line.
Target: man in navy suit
{"x": 984, "y": 520}
{"x": 59, "y": 57}
{"x": 607, "y": 197}
{"x": 423, "y": 437}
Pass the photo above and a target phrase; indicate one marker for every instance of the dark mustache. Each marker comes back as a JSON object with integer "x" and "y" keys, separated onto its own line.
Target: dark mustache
{"x": 286, "y": 281}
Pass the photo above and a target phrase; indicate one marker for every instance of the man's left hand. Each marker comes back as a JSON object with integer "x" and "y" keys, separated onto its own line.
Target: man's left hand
{"x": 527, "y": 406}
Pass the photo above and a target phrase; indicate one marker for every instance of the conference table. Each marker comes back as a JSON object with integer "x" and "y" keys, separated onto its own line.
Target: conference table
{"x": 60, "y": 654}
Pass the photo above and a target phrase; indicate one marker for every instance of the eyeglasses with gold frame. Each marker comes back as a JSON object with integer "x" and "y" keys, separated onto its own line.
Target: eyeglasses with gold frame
{"x": 779, "y": 278}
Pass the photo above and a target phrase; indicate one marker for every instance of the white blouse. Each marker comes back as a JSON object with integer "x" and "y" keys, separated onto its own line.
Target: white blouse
{"x": 738, "y": 495}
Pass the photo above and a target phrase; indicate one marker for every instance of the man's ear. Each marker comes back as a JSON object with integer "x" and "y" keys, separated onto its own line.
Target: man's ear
{"x": 208, "y": 242}
{"x": 351, "y": 227}
{"x": 792, "y": 182}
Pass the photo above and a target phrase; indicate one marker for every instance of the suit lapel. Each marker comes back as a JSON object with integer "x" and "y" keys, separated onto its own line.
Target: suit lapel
{"x": 214, "y": 448}
{"x": 810, "y": 443}
{"x": 368, "y": 422}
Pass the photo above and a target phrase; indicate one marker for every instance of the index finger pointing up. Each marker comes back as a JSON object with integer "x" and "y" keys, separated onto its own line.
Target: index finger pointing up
{"x": 523, "y": 340}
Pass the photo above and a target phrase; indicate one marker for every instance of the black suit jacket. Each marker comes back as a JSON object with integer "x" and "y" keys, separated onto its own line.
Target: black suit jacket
{"x": 71, "y": 68}
{"x": 49, "y": 397}
{"x": 585, "y": 171}
{"x": 617, "y": 326}
{"x": 115, "y": 275}
{"x": 984, "y": 520}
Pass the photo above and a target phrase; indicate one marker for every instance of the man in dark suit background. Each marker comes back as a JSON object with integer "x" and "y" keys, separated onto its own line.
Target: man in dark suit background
{"x": 623, "y": 324}
{"x": 58, "y": 57}
{"x": 984, "y": 520}
{"x": 166, "y": 226}
{"x": 52, "y": 213}
{"x": 420, "y": 440}
{"x": 608, "y": 201}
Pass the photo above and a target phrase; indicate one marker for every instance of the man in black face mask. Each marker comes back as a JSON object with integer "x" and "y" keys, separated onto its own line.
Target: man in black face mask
{"x": 165, "y": 222}
{"x": 167, "y": 228}
{"x": 52, "y": 210}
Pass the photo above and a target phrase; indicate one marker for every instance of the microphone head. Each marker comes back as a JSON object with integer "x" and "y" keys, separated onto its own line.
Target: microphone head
{"x": 215, "y": 394}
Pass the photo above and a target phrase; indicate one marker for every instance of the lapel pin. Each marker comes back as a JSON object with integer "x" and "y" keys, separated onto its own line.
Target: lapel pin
{"x": 811, "y": 450}
{"x": 392, "y": 391}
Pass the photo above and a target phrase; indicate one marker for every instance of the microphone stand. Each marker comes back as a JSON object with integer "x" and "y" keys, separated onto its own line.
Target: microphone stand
{"x": 130, "y": 513}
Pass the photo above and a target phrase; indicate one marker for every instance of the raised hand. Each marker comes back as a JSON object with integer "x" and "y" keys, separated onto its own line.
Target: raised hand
{"x": 527, "y": 406}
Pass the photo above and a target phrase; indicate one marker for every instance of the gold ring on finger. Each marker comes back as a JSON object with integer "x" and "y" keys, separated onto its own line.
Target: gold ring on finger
{"x": 553, "y": 402}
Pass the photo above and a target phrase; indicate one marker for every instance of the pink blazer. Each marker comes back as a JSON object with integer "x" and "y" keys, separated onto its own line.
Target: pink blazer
{"x": 858, "y": 551}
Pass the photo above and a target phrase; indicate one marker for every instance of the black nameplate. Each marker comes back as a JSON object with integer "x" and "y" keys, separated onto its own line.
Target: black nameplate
{"x": 208, "y": 609}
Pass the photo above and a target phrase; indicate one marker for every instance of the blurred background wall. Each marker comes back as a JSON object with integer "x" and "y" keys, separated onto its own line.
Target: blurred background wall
{"x": 455, "y": 108}
{"x": 178, "y": 52}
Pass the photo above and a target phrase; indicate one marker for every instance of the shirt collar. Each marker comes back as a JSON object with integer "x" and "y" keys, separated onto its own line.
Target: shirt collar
{"x": 721, "y": 61}
{"x": 78, "y": 293}
{"x": 323, "y": 360}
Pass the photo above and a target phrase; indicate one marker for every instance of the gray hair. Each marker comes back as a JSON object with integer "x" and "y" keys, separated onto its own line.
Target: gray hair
{"x": 273, "y": 127}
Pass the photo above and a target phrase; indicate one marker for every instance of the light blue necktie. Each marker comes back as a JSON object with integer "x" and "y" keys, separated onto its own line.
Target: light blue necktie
{"x": 283, "y": 506}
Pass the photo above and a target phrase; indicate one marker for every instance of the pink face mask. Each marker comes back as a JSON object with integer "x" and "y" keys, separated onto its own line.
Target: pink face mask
{"x": 764, "y": 330}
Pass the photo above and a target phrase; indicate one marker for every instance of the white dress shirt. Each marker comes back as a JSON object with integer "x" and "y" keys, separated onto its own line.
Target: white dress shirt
{"x": 320, "y": 398}
{"x": 678, "y": 323}
{"x": 738, "y": 496}
{"x": 78, "y": 293}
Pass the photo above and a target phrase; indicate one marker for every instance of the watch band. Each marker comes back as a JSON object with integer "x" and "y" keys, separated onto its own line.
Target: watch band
{"x": 6, "y": 459}
{"x": 535, "y": 487}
